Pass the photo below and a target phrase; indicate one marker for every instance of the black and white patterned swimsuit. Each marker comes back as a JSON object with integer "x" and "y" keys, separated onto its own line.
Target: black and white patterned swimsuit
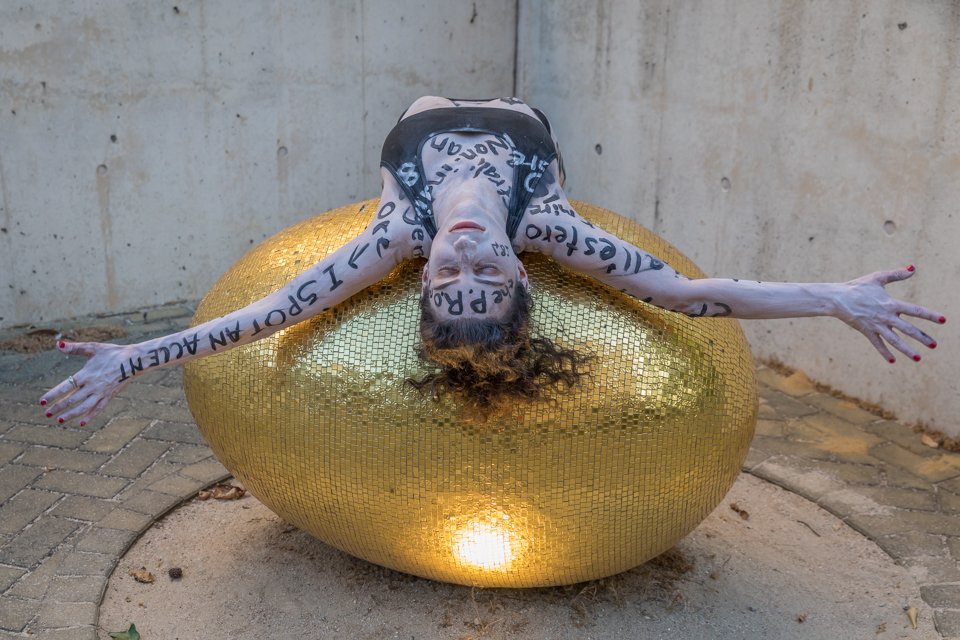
{"x": 524, "y": 138}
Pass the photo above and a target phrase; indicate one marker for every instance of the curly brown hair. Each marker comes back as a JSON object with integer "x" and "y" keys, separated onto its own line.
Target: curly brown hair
{"x": 488, "y": 364}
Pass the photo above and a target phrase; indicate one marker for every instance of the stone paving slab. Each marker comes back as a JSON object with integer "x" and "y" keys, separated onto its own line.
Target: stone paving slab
{"x": 73, "y": 500}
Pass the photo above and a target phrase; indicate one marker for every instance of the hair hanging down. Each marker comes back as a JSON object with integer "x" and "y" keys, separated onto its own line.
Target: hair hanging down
{"x": 489, "y": 363}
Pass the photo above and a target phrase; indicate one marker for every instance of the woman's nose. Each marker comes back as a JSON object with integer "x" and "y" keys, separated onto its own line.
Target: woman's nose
{"x": 465, "y": 245}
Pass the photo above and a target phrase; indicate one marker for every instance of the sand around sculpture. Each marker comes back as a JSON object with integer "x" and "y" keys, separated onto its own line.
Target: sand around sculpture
{"x": 246, "y": 574}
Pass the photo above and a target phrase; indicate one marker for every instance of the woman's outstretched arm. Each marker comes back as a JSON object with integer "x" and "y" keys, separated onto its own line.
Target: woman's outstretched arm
{"x": 363, "y": 261}
{"x": 555, "y": 229}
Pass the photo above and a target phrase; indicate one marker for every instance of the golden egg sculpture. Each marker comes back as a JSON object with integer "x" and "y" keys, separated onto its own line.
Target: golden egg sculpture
{"x": 317, "y": 423}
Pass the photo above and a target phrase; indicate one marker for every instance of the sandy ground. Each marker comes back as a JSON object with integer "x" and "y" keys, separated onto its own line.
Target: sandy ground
{"x": 246, "y": 574}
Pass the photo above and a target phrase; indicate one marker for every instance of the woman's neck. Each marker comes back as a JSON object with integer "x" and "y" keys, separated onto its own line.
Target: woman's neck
{"x": 469, "y": 198}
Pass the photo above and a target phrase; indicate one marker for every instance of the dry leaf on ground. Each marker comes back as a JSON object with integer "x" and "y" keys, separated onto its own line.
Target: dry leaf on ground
{"x": 930, "y": 442}
{"x": 142, "y": 575}
{"x": 882, "y": 628}
{"x": 130, "y": 634}
{"x": 204, "y": 495}
{"x": 912, "y": 614}
{"x": 801, "y": 617}
{"x": 226, "y": 491}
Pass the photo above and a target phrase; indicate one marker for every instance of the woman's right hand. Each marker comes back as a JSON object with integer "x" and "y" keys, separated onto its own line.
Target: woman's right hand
{"x": 92, "y": 387}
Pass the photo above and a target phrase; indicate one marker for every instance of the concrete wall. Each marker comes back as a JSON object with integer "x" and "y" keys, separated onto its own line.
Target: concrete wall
{"x": 775, "y": 139}
{"x": 145, "y": 146}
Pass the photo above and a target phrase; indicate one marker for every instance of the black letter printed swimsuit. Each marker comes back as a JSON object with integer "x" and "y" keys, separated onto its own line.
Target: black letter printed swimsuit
{"x": 525, "y": 138}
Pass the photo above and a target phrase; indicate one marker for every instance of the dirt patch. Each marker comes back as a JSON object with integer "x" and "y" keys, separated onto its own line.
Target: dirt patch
{"x": 246, "y": 574}
{"x": 46, "y": 339}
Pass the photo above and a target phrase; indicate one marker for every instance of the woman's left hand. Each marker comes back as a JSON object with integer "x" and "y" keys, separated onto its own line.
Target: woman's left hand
{"x": 866, "y": 306}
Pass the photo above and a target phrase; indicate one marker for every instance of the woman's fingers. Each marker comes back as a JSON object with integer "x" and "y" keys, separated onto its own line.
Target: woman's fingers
{"x": 87, "y": 349}
{"x": 67, "y": 402}
{"x": 895, "y": 275}
{"x": 880, "y": 346}
{"x": 80, "y": 410}
{"x": 908, "y": 329}
{"x": 97, "y": 408}
{"x": 899, "y": 344}
{"x": 59, "y": 390}
{"x": 923, "y": 313}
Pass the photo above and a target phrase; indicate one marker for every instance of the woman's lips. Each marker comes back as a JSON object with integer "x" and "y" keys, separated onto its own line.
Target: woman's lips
{"x": 466, "y": 226}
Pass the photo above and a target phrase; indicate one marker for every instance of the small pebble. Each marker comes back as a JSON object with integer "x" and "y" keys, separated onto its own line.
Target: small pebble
{"x": 175, "y": 573}
{"x": 752, "y": 608}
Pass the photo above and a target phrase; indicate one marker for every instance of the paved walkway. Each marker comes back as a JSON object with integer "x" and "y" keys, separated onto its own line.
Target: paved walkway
{"x": 73, "y": 500}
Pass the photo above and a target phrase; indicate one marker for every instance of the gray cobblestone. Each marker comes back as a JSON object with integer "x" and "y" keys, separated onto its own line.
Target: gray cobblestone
{"x": 778, "y": 446}
{"x": 16, "y": 613}
{"x": 24, "y": 508}
{"x": 906, "y": 545}
{"x": 952, "y": 485}
{"x": 188, "y": 454}
{"x": 840, "y": 408}
{"x": 941, "y": 596}
{"x": 81, "y": 484}
{"x": 947, "y": 623}
{"x": 32, "y": 545}
{"x": 769, "y": 428}
{"x": 9, "y": 575}
{"x": 903, "y": 498}
{"x": 5, "y": 426}
{"x": 177, "y": 485}
{"x": 55, "y": 615}
{"x": 88, "y": 564}
{"x": 157, "y": 472}
{"x": 849, "y": 473}
{"x": 48, "y": 436}
{"x": 77, "y": 589}
{"x": 126, "y": 520}
{"x": 83, "y": 508}
{"x": 903, "y": 436}
{"x": 786, "y": 406}
{"x": 151, "y": 503}
{"x": 30, "y": 414}
{"x": 897, "y": 477}
{"x": 932, "y": 570}
{"x": 903, "y": 521}
{"x": 31, "y": 368}
{"x": 164, "y": 412}
{"x": 950, "y": 502}
{"x": 175, "y": 432}
{"x": 116, "y": 435}
{"x": 108, "y": 541}
{"x": 61, "y": 459}
{"x": 9, "y": 451}
{"x": 146, "y": 391}
{"x": 135, "y": 459}
{"x": 34, "y": 585}
{"x": 73, "y": 633}
{"x": 15, "y": 477}
{"x": 207, "y": 471}
{"x": 954, "y": 545}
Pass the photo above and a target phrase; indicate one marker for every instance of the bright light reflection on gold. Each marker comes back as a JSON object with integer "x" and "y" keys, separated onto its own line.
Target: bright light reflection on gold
{"x": 317, "y": 423}
{"x": 484, "y": 545}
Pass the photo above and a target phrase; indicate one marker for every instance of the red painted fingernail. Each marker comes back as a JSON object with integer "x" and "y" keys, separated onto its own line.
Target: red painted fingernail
{"x": 892, "y": 360}
{"x": 910, "y": 268}
{"x": 916, "y": 358}
{"x": 83, "y": 424}
{"x": 942, "y": 319}
{"x": 43, "y": 402}
{"x": 60, "y": 420}
{"x": 61, "y": 344}
{"x": 933, "y": 345}
{"x": 49, "y": 414}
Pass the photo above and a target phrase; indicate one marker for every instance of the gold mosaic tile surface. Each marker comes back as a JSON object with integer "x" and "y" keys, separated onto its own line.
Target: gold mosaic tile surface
{"x": 317, "y": 423}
